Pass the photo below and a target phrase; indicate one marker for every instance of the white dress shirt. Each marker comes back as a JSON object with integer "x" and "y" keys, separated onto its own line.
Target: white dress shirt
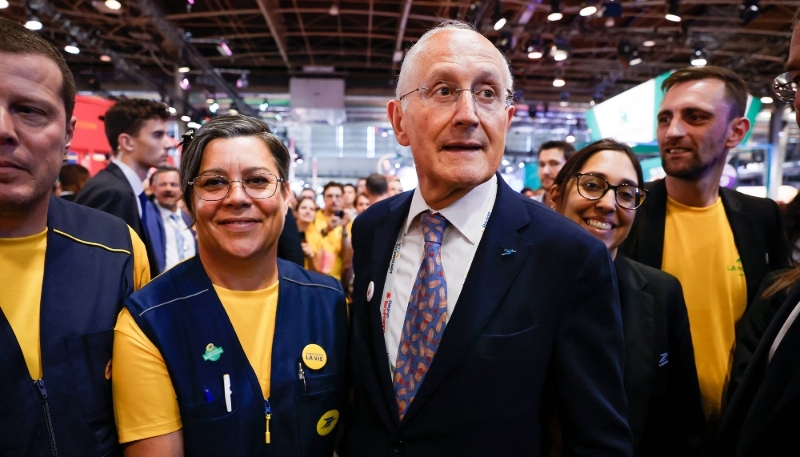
{"x": 466, "y": 221}
{"x": 785, "y": 328}
{"x": 133, "y": 180}
{"x": 172, "y": 228}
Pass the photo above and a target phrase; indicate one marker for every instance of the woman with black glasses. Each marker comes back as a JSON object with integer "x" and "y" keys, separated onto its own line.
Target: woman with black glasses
{"x": 600, "y": 188}
{"x": 232, "y": 352}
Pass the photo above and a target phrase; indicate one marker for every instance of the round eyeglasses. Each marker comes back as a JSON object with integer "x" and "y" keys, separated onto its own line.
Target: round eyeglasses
{"x": 785, "y": 89}
{"x": 214, "y": 187}
{"x": 445, "y": 94}
{"x": 593, "y": 187}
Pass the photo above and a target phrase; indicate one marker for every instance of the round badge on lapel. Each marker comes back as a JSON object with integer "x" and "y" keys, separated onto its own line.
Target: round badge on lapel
{"x": 370, "y": 290}
{"x": 314, "y": 356}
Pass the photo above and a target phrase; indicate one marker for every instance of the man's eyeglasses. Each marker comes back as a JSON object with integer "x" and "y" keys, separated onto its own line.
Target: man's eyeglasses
{"x": 214, "y": 187}
{"x": 785, "y": 89}
{"x": 593, "y": 187}
{"x": 445, "y": 94}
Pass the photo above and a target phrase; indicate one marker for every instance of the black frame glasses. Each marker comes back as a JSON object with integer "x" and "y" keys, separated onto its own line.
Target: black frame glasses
{"x": 636, "y": 191}
{"x": 212, "y": 192}
{"x": 448, "y": 101}
{"x": 784, "y": 88}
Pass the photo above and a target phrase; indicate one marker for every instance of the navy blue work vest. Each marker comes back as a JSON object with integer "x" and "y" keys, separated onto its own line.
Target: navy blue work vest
{"x": 181, "y": 314}
{"x": 88, "y": 272}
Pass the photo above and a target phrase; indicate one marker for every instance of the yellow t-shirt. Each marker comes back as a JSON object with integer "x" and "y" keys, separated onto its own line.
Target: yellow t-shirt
{"x": 330, "y": 243}
{"x": 700, "y": 251}
{"x": 22, "y": 270}
{"x": 139, "y": 366}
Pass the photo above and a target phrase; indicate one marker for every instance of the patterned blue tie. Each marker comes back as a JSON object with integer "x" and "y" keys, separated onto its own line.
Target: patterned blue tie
{"x": 153, "y": 231}
{"x": 426, "y": 316}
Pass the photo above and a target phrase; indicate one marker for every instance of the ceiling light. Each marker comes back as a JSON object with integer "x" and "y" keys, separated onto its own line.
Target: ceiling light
{"x": 649, "y": 43}
{"x": 213, "y": 107}
{"x": 105, "y": 58}
{"x": 186, "y": 118}
{"x": 223, "y": 48}
{"x": 570, "y": 138}
{"x": 555, "y": 11}
{"x": 184, "y": 70}
{"x": 748, "y": 11}
{"x": 672, "y": 11}
{"x": 766, "y": 100}
{"x": 278, "y": 117}
{"x": 535, "y": 55}
{"x": 184, "y": 84}
{"x": 242, "y": 82}
{"x": 563, "y": 104}
{"x": 3, "y": 4}
{"x": 559, "y": 82}
{"x": 172, "y": 110}
{"x": 263, "y": 106}
{"x": 72, "y": 48}
{"x": 699, "y": 58}
{"x": 113, "y": 4}
{"x": 587, "y": 9}
{"x": 497, "y": 17}
{"x": 636, "y": 59}
{"x": 334, "y": 9}
{"x": 592, "y": 102}
{"x": 33, "y": 23}
{"x": 193, "y": 125}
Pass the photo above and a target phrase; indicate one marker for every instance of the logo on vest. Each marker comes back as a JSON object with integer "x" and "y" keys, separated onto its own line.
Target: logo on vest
{"x": 327, "y": 422}
{"x": 314, "y": 356}
{"x": 212, "y": 352}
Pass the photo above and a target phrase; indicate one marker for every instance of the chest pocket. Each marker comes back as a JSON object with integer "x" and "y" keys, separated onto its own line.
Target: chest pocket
{"x": 319, "y": 403}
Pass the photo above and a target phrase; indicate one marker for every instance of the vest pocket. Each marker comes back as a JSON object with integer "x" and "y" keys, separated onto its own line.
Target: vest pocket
{"x": 315, "y": 407}
{"x": 205, "y": 431}
{"x": 90, "y": 357}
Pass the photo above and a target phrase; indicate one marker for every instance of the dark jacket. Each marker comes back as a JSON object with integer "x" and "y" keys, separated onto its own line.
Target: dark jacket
{"x": 88, "y": 272}
{"x": 755, "y": 223}
{"x": 537, "y": 321}
{"x": 110, "y": 192}
{"x": 181, "y": 314}
{"x": 664, "y": 408}
{"x": 762, "y": 416}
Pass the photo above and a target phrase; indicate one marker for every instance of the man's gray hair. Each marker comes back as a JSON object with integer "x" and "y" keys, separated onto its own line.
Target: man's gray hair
{"x": 411, "y": 60}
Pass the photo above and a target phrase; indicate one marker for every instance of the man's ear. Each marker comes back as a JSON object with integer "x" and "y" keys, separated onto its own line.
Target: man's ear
{"x": 738, "y": 130}
{"x": 69, "y": 133}
{"x": 125, "y": 142}
{"x": 394, "y": 111}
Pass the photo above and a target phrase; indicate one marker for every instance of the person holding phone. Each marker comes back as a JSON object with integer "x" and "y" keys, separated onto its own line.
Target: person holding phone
{"x": 329, "y": 224}
{"x": 317, "y": 257}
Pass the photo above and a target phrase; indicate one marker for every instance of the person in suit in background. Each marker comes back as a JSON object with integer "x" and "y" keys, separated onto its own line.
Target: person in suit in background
{"x": 474, "y": 306}
{"x": 552, "y": 156}
{"x": 72, "y": 177}
{"x": 764, "y": 411}
{"x": 718, "y": 242}
{"x": 180, "y": 242}
{"x": 599, "y": 188}
{"x": 137, "y": 132}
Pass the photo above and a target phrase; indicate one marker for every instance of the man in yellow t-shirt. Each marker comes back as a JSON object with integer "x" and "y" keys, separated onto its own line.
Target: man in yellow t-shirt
{"x": 717, "y": 242}
{"x": 328, "y": 223}
{"x": 65, "y": 269}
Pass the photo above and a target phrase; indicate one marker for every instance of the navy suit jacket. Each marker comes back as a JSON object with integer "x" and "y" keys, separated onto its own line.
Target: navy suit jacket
{"x": 110, "y": 192}
{"x": 762, "y": 416}
{"x": 536, "y": 328}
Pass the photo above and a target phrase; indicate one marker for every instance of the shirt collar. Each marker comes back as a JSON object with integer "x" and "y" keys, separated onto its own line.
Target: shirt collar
{"x": 166, "y": 212}
{"x": 131, "y": 176}
{"x": 462, "y": 214}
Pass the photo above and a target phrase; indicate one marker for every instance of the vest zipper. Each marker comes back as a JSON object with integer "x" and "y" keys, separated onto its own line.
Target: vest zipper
{"x": 268, "y": 415}
{"x": 43, "y": 391}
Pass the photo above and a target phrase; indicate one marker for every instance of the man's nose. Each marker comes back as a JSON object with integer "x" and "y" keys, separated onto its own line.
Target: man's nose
{"x": 466, "y": 109}
{"x": 7, "y": 131}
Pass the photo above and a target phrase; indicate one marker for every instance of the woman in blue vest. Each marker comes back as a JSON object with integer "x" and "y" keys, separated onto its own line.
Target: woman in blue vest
{"x": 600, "y": 188}
{"x": 232, "y": 352}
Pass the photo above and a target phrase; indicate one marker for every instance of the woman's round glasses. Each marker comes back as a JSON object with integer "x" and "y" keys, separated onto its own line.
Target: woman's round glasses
{"x": 214, "y": 187}
{"x": 593, "y": 187}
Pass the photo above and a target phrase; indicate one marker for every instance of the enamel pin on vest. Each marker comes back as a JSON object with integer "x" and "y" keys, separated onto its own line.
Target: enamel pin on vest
{"x": 370, "y": 290}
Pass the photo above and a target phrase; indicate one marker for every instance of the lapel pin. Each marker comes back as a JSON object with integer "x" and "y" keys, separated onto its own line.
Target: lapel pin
{"x": 370, "y": 290}
{"x": 507, "y": 251}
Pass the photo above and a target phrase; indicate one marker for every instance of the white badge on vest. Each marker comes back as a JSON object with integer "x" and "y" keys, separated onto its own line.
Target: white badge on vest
{"x": 370, "y": 290}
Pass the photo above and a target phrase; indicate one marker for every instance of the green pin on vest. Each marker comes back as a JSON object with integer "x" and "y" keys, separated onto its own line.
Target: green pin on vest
{"x": 212, "y": 352}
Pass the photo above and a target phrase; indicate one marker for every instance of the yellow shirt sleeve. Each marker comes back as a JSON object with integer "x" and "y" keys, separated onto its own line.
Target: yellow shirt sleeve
{"x": 141, "y": 266}
{"x": 145, "y": 404}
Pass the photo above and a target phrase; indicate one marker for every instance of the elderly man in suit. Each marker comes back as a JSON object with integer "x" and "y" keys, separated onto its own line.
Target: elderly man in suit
{"x": 764, "y": 410}
{"x": 137, "y": 131}
{"x": 476, "y": 311}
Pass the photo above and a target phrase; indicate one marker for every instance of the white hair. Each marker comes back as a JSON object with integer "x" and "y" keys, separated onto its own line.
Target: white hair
{"x": 417, "y": 50}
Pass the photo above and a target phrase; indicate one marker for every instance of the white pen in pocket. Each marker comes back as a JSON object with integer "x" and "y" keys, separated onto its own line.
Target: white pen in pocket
{"x": 226, "y": 384}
